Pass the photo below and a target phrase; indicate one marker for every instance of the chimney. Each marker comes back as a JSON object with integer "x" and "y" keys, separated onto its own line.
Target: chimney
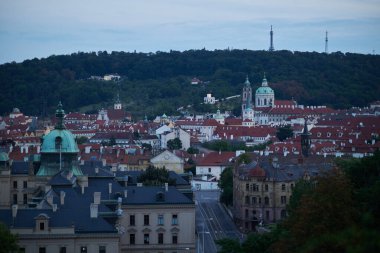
{"x": 82, "y": 188}
{"x": 26, "y": 149}
{"x": 166, "y": 187}
{"x": 109, "y": 188}
{"x": 54, "y": 207}
{"x": 96, "y": 170}
{"x": 93, "y": 210}
{"x": 62, "y": 196}
{"x": 97, "y": 196}
{"x": 14, "y": 211}
{"x": 38, "y": 149}
{"x": 125, "y": 193}
{"x": 50, "y": 199}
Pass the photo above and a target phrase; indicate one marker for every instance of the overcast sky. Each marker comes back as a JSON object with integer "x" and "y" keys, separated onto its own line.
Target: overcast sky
{"x": 40, "y": 28}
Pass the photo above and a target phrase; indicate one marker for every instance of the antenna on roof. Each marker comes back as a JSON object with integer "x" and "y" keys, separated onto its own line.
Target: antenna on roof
{"x": 326, "y": 43}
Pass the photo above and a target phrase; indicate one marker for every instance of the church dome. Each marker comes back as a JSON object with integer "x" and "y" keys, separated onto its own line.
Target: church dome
{"x": 264, "y": 90}
{"x": 59, "y": 140}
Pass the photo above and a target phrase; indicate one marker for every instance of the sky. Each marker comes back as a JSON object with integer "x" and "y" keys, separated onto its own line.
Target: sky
{"x": 40, "y": 28}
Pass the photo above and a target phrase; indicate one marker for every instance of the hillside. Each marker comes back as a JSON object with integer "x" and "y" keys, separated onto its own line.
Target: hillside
{"x": 154, "y": 83}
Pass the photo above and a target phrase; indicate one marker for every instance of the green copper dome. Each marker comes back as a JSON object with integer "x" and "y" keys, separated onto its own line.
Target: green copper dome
{"x": 264, "y": 90}
{"x": 59, "y": 140}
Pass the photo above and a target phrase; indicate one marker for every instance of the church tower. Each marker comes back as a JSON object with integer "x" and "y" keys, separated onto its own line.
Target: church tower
{"x": 305, "y": 140}
{"x": 246, "y": 96}
{"x": 117, "y": 104}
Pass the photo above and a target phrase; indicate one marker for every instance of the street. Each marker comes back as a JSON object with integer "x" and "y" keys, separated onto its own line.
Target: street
{"x": 212, "y": 222}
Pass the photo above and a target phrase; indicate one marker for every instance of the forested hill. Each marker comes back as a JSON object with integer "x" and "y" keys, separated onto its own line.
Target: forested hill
{"x": 160, "y": 82}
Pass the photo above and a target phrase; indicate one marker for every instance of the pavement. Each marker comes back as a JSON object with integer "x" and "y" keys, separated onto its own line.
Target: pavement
{"x": 212, "y": 222}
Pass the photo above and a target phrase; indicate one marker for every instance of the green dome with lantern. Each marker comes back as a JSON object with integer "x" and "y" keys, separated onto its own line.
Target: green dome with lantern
{"x": 264, "y": 89}
{"x": 59, "y": 149}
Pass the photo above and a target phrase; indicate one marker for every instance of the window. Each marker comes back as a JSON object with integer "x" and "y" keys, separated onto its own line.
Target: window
{"x": 246, "y": 213}
{"x": 283, "y": 199}
{"x": 102, "y": 249}
{"x": 62, "y": 250}
{"x": 267, "y": 215}
{"x": 253, "y": 200}
{"x": 175, "y": 239}
{"x": 25, "y": 184}
{"x": 266, "y": 188}
{"x": 146, "y": 220}
{"x": 14, "y": 184}
{"x": 42, "y": 250}
{"x": 14, "y": 198}
{"x": 131, "y": 238}
{"x": 209, "y": 170}
{"x": 266, "y": 199}
{"x": 25, "y": 199}
{"x": 291, "y": 186}
{"x": 146, "y": 238}
{"x": 160, "y": 219}
{"x": 132, "y": 220}
{"x": 83, "y": 249}
{"x": 160, "y": 238}
{"x": 22, "y": 250}
{"x": 247, "y": 187}
{"x": 283, "y": 187}
{"x": 259, "y": 200}
{"x": 247, "y": 200}
{"x": 175, "y": 219}
{"x": 283, "y": 213}
{"x": 42, "y": 225}
{"x": 58, "y": 142}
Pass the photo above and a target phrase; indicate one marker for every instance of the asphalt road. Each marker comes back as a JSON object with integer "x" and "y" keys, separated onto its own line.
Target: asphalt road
{"x": 212, "y": 222}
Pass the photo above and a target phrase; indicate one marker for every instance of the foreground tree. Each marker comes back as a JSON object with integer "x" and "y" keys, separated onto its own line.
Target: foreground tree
{"x": 8, "y": 241}
{"x": 174, "y": 144}
{"x": 155, "y": 176}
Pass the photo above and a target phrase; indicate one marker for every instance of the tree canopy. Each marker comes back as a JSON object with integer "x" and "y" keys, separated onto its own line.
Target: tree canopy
{"x": 153, "y": 83}
{"x": 155, "y": 176}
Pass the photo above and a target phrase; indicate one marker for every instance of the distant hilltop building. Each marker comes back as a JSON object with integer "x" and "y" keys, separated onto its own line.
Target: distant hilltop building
{"x": 107, "y": 77}
{"x": 195, "y": 81}
{"x": 268, "y": 111}
{"x": 209, "y": 99}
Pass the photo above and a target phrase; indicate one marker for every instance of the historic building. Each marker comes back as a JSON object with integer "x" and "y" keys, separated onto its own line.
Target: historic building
{"x": 55, "y": 204}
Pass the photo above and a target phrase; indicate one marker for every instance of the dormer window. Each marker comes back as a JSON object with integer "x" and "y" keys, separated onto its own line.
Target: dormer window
{"x": 328, "y": 134}
{"x": 319, "y": 134}
{"x": 42, "y": 222}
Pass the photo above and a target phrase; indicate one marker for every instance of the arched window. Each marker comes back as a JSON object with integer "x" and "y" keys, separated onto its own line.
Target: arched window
{"x": 58, "y": 142}
{"x": 265, "y": 101}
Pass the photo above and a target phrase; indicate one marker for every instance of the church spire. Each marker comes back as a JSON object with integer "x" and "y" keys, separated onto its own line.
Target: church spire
{"x": 247, "y": 82}
{"x": 265, "y": 82}
{"x": 59, "y": 114}
{"x": 305, "y": 140}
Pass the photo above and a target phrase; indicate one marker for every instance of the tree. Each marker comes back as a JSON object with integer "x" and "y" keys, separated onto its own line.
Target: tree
{"x": 192, "y": 150}
{"x": 82, "y": 140}
{"x": 155, "y": 176}
{"x": 284, "y": 132}
{"x": 226, "y": 184}
{"x": 147, "y": 146}
{"x": 174, "y": 144}
{"x": 112, "y": 141}
{"x": 8, "y": 240}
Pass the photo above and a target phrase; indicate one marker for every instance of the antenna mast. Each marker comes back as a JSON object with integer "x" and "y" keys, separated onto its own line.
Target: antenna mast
{"x": 326, "y": 44}
{"x": 271, "y": 48}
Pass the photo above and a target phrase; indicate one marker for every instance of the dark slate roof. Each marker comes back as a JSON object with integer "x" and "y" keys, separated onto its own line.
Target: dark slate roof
{"x": 147, "y": 195}
{"x": 88, "y": 168}
{"x": 20, "y": 168}
{"x": 62, "y": 178}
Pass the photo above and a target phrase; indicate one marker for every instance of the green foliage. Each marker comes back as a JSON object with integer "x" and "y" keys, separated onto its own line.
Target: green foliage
{"x": 336, "y": 212}
{"x": 174, "y": 144}
{"x": 233, "y": 145}
{"x": 82, "y": 140}
{"x": 155, "y": 176}
{"x": 226, "y": 184}
{"x": 284, "y": 132}
{"x": 244, "y": 158}
{"x": 8, "y": 240}
{"x": 192, "y": 150}
{"x": 147, "y": 146}
{"x": 229, "y": 246}
{"x": 153, "y": 83}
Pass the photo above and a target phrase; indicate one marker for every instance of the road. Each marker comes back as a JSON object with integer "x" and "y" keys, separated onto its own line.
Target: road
{"x": 212, "y": 222}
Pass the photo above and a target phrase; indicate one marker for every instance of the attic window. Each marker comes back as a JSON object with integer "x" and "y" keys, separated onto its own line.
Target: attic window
{"x": 160, "y": 196}
{"x": 328, "y": 134}
{"x": 58, "y": 142}
{"x": 319, "y": 134}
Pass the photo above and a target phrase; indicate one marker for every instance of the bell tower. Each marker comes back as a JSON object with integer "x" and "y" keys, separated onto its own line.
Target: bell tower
{"x": 246, "y": 96}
